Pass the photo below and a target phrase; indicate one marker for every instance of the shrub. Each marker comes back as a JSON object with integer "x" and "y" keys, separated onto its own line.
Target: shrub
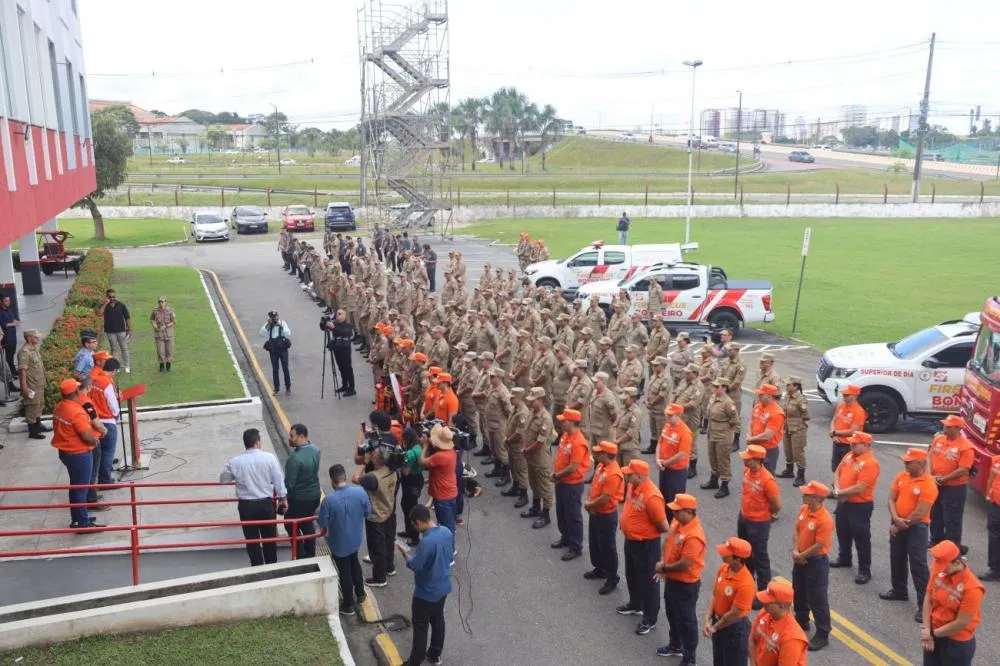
{"x": 94, "y": 279}
{"x": 84, "y": 297}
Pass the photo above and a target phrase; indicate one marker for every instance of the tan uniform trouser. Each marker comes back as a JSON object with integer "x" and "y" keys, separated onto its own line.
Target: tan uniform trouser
{"x": 657, "y": 419}
{"x": 518, "y": 465}
{"x": 540, "y": 475}
{"x": 693, "y": 420}
{"x": 33, "y": 407}
{"x": 165, "y": 350}
{"x": 795, "y": 448}
{"x": 624, "y": 457}
{"x": 720, "y": 450}
{"x": 495, "y": 438}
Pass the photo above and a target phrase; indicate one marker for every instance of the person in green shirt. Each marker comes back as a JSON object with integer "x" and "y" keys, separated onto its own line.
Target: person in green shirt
{"x": 302, "y": 482}
{"x": 412, "y": 482}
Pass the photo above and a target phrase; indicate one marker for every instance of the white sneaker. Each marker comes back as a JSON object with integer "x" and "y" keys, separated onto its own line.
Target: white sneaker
{"x": 366, "y": 559}
{"x": 128, "y": 370}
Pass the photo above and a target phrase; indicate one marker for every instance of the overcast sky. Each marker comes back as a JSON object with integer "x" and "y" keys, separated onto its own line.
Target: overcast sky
{"x": 571, "y": 54}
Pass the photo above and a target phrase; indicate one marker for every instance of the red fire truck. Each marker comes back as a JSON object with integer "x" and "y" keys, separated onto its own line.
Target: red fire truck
{"x": 981, "y": 393}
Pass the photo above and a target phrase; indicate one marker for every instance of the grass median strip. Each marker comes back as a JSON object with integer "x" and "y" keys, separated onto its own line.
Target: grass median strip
{"x": 866, "y": 279}
{"x": 122, "y": 232}
{"x": 248, "y": 642}
{"x": 202, "y": 367}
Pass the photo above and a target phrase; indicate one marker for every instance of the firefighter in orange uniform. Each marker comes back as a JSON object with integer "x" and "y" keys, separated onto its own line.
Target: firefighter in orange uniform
{"x": 445, "y": 402}
{"x": 848, "y": 418}
{"x": 911, "y": 496}
{"x": 993, "y": 521}
{"x": 727, "y": 620}
{"x": 74, "y": 437}
{"x": 811, "y": 569}
{"x": 767, "y": 424}
{"x": 680, "y": 571}
{"x": 643, "y": 520}
{"x": 952, "y": 609}
{"x": 951, "y": 458}
{"x": 761, "y": 504}
{"x": 673, "y": 454}
{"x": 607, "y": 489}
{"x": 854, "y": 489}
{"x": 569, "y": 469}
{"x": 776, "y": 639}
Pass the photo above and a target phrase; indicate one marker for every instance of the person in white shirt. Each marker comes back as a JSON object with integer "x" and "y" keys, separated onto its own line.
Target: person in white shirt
{"x": 258, "y": 482}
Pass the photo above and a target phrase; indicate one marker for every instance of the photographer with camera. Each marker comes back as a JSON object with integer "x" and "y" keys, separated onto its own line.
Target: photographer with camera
{"x": 278, "y": 339}
{"x": 412, "y": 483}
{"x": 440, "y": 459}
{"x": 341, "y": 335}
{"x": 377, "y": 452}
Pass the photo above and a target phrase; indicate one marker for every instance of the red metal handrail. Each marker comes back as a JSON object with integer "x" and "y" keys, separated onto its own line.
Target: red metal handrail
{"x": 134, "y": 547}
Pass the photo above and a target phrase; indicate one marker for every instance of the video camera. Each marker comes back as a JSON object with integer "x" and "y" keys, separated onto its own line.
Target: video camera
{"x": 461, "y": 437}
{"x": 324, "y": 320}
{"x": 385, "y": 443}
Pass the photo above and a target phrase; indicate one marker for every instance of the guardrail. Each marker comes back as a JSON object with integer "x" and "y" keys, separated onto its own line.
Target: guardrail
{"x": 135, "y": 528}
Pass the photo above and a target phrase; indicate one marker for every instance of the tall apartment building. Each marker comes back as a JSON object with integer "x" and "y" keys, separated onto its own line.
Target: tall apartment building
{"x": 853, "y": 115}
{"x": 47, "y": 154}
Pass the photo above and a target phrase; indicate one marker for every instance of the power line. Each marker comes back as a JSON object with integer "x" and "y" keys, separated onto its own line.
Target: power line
{"x": 202, "y": 71}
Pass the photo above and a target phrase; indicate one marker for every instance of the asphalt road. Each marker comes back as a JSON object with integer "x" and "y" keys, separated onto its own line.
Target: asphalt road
{"x": 513, "y": 600}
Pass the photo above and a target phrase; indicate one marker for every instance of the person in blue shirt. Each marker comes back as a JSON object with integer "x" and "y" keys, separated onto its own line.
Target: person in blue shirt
{"x": 342, "y": 514}
{"x": 83, "y": 362}
{"x": 430, "y": 564}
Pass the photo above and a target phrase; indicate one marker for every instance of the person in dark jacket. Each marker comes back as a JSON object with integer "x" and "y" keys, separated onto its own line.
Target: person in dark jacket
{"x": 340, "y": 343}
{"x": 302, "y": 484}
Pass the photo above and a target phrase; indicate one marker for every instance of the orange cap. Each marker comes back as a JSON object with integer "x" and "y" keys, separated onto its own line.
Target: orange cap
{"x": 860, "y": 438}
{"x": 851, "y": 389}
{"x": 768, "y": 389}
{"x": 950, "y": 420}
{"x": 913, "y": 455}
{"x": 815, "y": 488}
{"x": 777, "y": 592}
{"x": 444, "y": 377}
{"x": 945, "y": 552}
{"x": 434, "y": 370}
{"x": 420, "y": 357}
{"x": 636, "y": 466}
{"x": 104, "y": 356}
{"x": 67, "y": 386}
{"x": 672, "y": 409}
{"x": 404, "y": 342}
{"x": 735, "y": 546}
{"x": 754, "y": 451}
{"x": 571, "y": 415}
{"x": 606, "y": 447}
{"x": 683, "y": 501}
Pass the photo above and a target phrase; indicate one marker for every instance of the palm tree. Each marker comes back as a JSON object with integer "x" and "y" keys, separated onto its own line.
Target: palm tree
{"x": 527, "y": 122}
{"x": 549, "y": 128}
{"x": 469, "y": 116}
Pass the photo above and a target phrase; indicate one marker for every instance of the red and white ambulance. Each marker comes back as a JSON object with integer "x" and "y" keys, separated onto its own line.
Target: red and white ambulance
{"x": 598, "y": 263}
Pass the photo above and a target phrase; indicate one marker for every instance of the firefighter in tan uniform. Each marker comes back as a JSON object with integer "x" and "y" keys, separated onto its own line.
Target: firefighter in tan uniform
{"x": 548, "y": 327}
{"x": 708, "y": 371}
{"x": 520, "y": 374}
{"x": 538, "y": 436}
{"x": 587, "y": 349}
{"x": 514, "y": 438}
{"x": 659, "y": 394}
{"x": 766, "y": 373}
{"x": 562, "y": 377}
{"x": 564, "y": 332}
{"x": 631, "y": 373}
{"x": 468, "y": 377}
{"x": 626, "y": 429}
{"x": 637, "y": 334}
{"x": 680, "y": 357}
{"x": 603, "y": 410}
{"x": 498, "y": 408}
{"x": 543, "y": 367}
{"x": 595, "y": 317}
{"x": 617, "y": 332}
{"x": 734, "y": 371}
{"x": 688, "y": 396}
{"x": 479, "y": 395}
{"x": 31, "y": 373}
{"x": 797, "y": 416}
{"x": 581, "y": 387}
{"x": 439, "y": 353}
{"x": 608, "y": 362}
{"x": 659, "y": 340}
{"x": 723, "y": 421}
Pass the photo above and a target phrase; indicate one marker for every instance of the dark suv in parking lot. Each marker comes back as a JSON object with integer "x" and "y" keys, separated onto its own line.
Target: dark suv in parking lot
{"x": 339, "y": 216}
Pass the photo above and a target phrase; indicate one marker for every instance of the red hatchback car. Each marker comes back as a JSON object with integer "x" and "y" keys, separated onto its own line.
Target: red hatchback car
{"x": 298, "y": 218}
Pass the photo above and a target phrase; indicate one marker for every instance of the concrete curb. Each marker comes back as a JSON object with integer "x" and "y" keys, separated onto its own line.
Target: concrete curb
{"x": 222, "y": 331}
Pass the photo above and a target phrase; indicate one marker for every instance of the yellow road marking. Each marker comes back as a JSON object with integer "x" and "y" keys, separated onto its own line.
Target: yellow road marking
{"x": 389, "y": 649}
{"x": 870, "y": 656}
{"x": 868, "y": 638}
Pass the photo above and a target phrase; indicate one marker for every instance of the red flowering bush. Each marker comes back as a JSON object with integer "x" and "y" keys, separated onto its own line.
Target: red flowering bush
{"x": 61, "y": 344}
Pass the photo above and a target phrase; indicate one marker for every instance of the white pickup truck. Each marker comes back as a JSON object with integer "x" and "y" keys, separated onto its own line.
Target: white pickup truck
{"x": 693, "y": 295}
{"x": 920, "y": 375}
{"x": 599, "y": 262}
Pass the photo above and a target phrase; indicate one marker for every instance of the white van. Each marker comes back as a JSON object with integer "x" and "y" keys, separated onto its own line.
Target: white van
{"x": 598, "y": 262}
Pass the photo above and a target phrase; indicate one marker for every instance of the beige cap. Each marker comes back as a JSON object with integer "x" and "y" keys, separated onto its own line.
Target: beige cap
{"x": 545, "y": 340}
{"x": 461, "y": 346}
{"x": 517, "y": 392}
{"x": 684, "y": 335}
{"x": 497, "y": 372}
{"x": 603, "y": 376}
{"x": 767, "y": 356}
{"x": 657, "y": 317}
{"x": 586, "y": 331}
{"x": 469, "y": 356}
{"x": 487, "y": 355}
{"x": 733, "y": 346}
{"x": 659, "y": 360}
{"x": 581, "y": 363}
{"x": 692, "y": 367}
{"x": 424, "y": 322}
{"x": 630, "y": 391}
{"x": 562, "y": 316}
{"x": 719, "y": 381}
{"x": 536, "y": 393}
{"x": 523, "y": 333}
{"x": 632, "y": 348}
{"x": 562, "y": 346}
{"x": 33, "y": 332}
{"x": 792, "y": 379}
{"x": 605, "y": 341}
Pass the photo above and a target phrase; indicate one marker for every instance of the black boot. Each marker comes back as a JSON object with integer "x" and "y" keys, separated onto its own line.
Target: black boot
{"x": 168, "y": 367}
{"x": 34, "y": 431}
{"x": 800, "y": 478}
{"x": 161, "y": 367}
{"x": 736, "y": 441}
{"x": 542, "y": 521}
{"x": 482, "y": 453}
{"x": 504, "y": 476}
{"x": 42, "y": 427}
{"x": 490, "y": 460}
{"x": 788, "y": 472}
{"x": 535, "y": 510}
{"x": 692, "y": 469}
{"x": 723, "y": 490}
{"x": 497, "y": 470}
{"x": 651, "y": 448}
{"x": 711, "y": 484}
{"x": 513, "y": 491}
{"x": 522, "y": 498}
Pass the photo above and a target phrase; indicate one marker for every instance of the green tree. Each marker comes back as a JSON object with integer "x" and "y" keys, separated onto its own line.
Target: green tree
{"x": 467, "y": 118}
{"x": 312, "y": 138}
{"x": 860, "y": 136}
{"x": 216, "y": 137}
{"x": 550, "y": 127}
{"x": 112, "y": 148}
{"x": 182, "y": 143}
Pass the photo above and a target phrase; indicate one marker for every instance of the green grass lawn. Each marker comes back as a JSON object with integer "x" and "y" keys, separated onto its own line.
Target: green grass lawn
{"x": 283, "y": 641}
{"x": 122, "y": 232}
{"x": 866, "y": 280}
{"x": 202, "y": 368}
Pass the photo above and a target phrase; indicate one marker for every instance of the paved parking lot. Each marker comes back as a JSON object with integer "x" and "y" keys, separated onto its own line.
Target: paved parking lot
{"x": 514, "y": 601}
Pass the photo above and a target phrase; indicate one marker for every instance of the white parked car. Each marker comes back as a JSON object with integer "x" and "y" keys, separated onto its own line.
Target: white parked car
{"x": 353, "y": 161}
{"x": 177, "y": 159}
{"x": 209, "y": 226}
{"x": 599, "y": 262}
{"x": 287, "y": 162}
{"x": 920, "y": 375}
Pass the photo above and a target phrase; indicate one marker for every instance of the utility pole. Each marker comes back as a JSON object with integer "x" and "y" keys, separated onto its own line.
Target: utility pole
{"x": 818, "y": 130}
{"x": 363, "y": 186}
{"x": 739, "y": 132}
{"x": 277, "y": 136}
{"x": 924, "y": 109}
{"x": 694, "y": 65}
{"x": 149, "y": 144}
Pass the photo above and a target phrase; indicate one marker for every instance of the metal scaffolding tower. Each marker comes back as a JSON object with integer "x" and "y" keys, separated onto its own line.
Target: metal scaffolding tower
{"x": 405, "y": 112}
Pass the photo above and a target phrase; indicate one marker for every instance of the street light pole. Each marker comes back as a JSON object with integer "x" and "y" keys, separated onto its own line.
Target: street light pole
{"x": 694, "y": 65}
{"x": 277, "y": 136}
{"x": 739, "y": 132}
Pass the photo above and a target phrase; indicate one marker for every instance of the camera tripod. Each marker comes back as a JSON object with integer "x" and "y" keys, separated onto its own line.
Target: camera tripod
{"x": 327, "y": 352}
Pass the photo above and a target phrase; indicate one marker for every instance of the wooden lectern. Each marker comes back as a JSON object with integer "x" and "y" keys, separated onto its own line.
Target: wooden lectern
{"x": 131, "y": 396}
